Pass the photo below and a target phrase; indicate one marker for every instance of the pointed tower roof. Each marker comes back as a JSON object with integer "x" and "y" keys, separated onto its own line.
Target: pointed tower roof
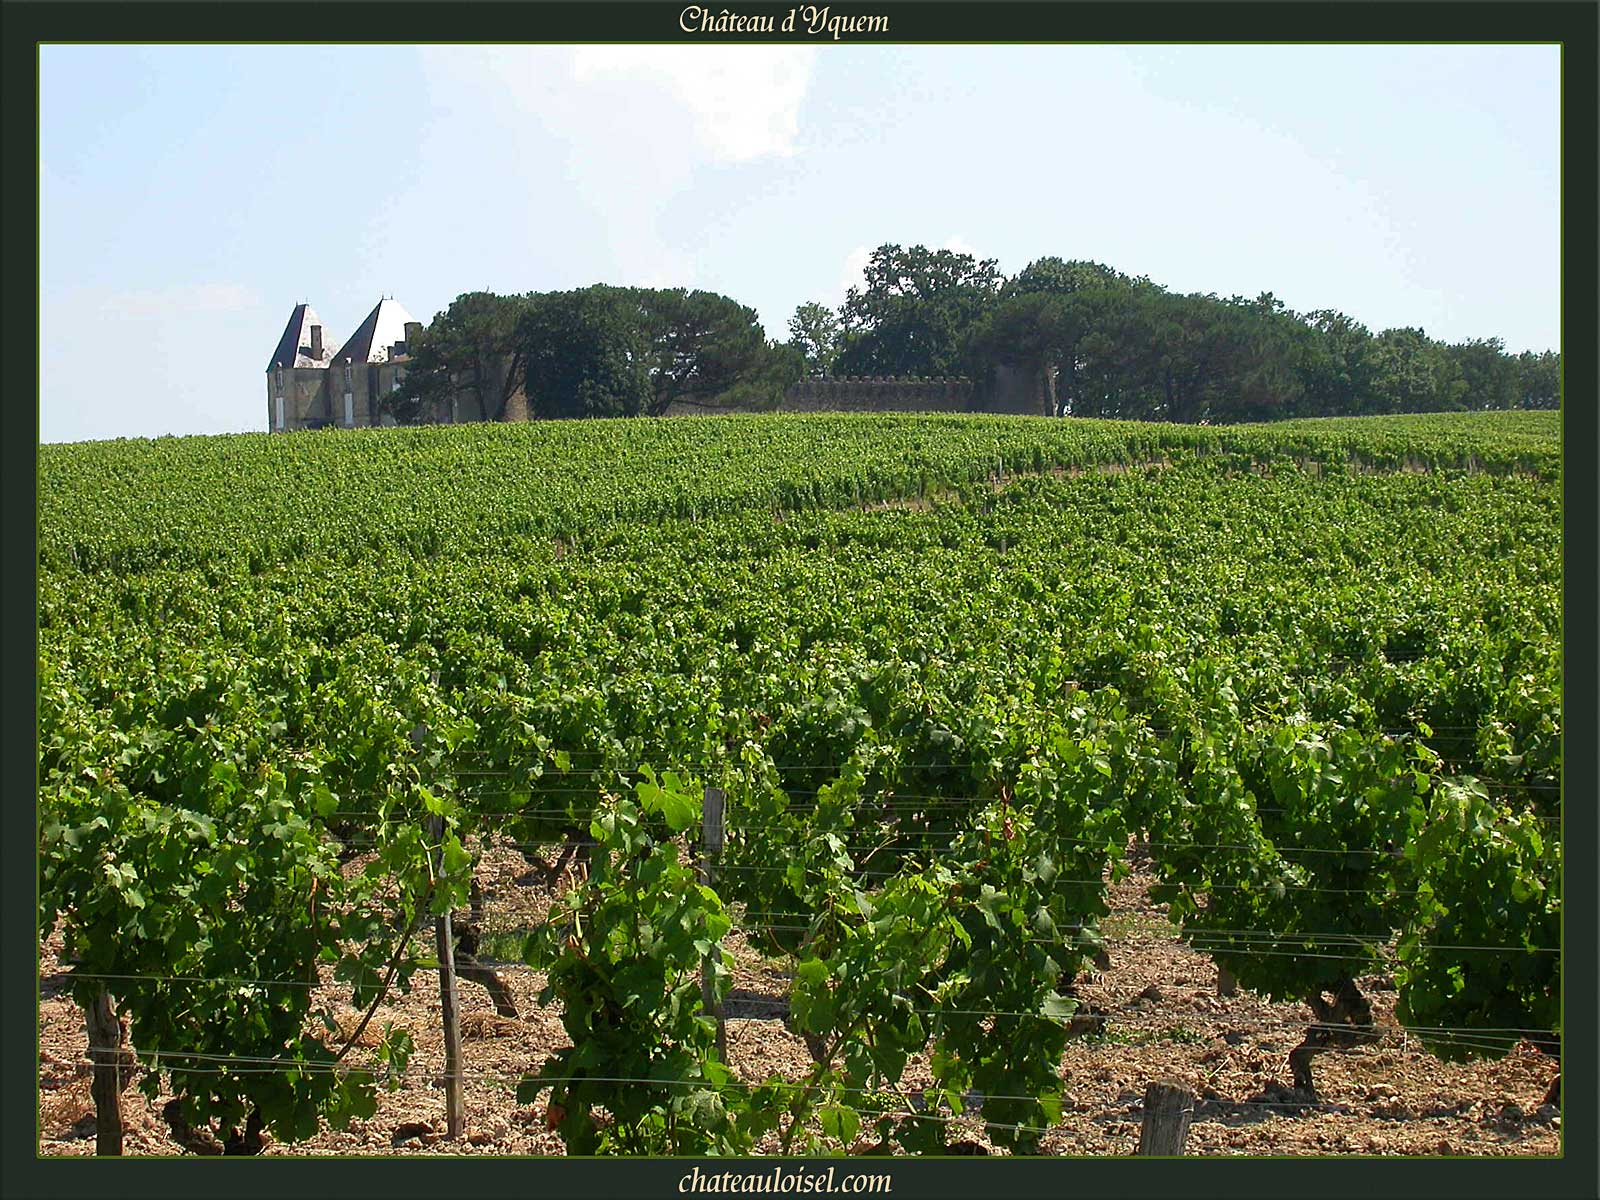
{"x": 385, "y": 325}
{"x": 294, "y": 347}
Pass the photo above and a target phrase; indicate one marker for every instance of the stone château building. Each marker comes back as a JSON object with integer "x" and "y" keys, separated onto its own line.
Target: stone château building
{"x": 310, "y": 385}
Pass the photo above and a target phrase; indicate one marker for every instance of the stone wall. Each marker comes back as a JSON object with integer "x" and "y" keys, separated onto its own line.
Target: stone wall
{"x": 1017, "y": 391}
{"x": 304, "y": 394}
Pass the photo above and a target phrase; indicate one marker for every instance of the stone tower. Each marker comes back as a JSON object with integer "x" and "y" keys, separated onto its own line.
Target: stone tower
{"x": 370, "y": 364}
{"x": 297, "y": 372}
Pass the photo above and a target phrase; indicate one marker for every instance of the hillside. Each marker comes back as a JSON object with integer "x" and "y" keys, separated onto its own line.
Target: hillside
{"x": 1025, "y": 729}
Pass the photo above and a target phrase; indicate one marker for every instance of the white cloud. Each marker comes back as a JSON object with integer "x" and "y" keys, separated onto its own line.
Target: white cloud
{"x": 605, "y": 140}
{"x": 744, "y": 101}
{"x": 734, "y": 103}
{"x": 615, "y": 146}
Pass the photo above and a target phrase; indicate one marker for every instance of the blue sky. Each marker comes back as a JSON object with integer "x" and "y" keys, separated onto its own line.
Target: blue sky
{"x": 191, "y": 195}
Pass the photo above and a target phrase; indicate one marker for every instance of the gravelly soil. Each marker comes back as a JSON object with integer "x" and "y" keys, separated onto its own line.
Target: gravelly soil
{"x": 1166, "y": 1022}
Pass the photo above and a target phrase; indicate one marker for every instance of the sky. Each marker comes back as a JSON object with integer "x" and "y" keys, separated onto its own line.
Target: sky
{"x": 192, "y": 195}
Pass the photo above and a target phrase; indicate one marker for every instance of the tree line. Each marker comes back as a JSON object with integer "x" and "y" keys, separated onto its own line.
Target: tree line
{"x": 599, "y": 351}
{"x": 1096, "y": 342}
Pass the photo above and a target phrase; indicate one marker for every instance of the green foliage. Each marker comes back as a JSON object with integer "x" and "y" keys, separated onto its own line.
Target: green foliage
{"x": 815, "y": 331}
{"x": 1107, "y": 345}
{"x": 207, "y": 916}
{"x": 1101, "y": 343}
{"x": 470, "y": 350}
{"x": 1052, "y": 276}
{"x": 350, "y": 497}
{"x": 1538, "y": 380}
{"x": 709, "y": 351}
{"x": 584, "y": 354}
{"x": 1484, "y": 949}
{"x": 1292, "y": 838}
{"x": 623, "y": 953}
{"x": 609, "y": 352}
{"x": 913, "y": 315}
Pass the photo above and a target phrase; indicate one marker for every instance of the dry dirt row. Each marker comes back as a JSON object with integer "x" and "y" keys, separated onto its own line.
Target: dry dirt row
{"x": 1166, "y": 1022}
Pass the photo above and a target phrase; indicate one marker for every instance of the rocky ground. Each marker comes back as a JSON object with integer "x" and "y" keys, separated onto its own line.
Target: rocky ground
{"x": 1166, "y": 1022}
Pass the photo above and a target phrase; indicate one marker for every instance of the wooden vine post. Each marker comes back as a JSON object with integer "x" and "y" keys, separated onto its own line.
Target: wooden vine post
{"x": 455, "y": 1106}
{"x": 713, "y": 828}
{"x": 105, "y": 1051}
{"x": 1168, "y": 1109}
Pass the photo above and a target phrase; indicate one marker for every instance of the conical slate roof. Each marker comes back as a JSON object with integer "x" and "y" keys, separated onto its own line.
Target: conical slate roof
{"x": 385, "y": 325}
{"x": 294, "y": 347}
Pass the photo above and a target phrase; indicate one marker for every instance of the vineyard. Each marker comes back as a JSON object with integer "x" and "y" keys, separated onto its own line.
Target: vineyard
{"x": 805, "y": 784}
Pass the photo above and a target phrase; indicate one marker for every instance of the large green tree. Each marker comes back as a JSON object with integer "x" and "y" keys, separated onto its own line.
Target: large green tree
{"x": 914, "y": 315}
{"x": 1061, "y": 277}
{"x": 470, "y": 350}
{"x": 610, "y": 351}
{"x": 707, "y": 351}
{"x": 1539, "y": 379}
{"x": 1263, "y": 378}
{"x": 584, "y": 354}
{"x": 1196, "y": 344}
{"x": 815, "y": 332}
{"x": 1413, "y": 373}
{"x": 1492, "y": 378}
{"x": 1338, "y": 367}
{"x": 1043, "y": 323}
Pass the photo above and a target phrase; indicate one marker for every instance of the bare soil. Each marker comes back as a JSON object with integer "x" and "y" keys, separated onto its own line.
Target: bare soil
{"x": 1166, "y": 1022}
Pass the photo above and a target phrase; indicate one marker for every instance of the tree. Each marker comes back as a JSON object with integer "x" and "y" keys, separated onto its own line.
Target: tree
{"x": 1032, "y": 334}
{"x": 583, "y": 354}
{"x": 1492, "y": 379}
{"x": 914, "y": 314}
{"x": 609, "y": 352}
{"x": 1262, "y": 379}
{"x": 1047, "y": 337}
{"x": 1058, "y": 277}
{"x": 1045, "y": 321}
{"x": 1412, "y": 373}
{"x": 1338, "y": 367}
{"x": 469, "y": 350}
{"x": 1539, "y": 379}
{"x": 814, "y": 330}
{"x": 1196, "y": 344}
{"x": 708, "y": 351}
{"x": 786, "y": 366}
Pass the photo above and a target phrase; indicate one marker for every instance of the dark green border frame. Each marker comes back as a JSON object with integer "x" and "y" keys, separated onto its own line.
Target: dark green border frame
{"x": 1573, "y": 24}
